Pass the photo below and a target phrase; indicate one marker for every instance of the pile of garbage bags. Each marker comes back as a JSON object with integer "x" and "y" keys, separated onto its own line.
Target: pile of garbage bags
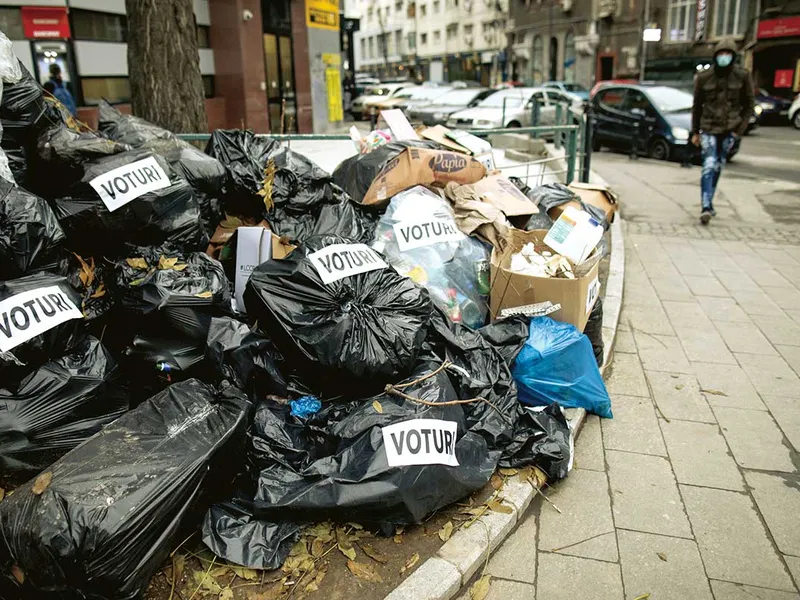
{"x": 361, "y": 378}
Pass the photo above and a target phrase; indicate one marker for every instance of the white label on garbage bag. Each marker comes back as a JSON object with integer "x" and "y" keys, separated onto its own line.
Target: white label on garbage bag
{"x": 421, "y": 442}
{"x": 425, "y": 233}
{"x": 592, "y": 293}
{"x": 31, "y": 313}
{"x": 123, "y": 184}
{"x": 253, "y": 247}
{"x": 337, "y": 261}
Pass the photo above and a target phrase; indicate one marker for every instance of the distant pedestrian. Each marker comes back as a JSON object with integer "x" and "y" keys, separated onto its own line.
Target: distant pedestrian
{"x": 723, "y": 105}
{"x": 56, "y": 86}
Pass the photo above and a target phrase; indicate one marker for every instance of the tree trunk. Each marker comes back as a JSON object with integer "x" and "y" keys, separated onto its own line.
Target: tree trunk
{"x": 164, "y": 66}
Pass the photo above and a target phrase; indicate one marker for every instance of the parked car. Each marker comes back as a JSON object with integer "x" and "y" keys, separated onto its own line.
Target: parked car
{"x": 794, "y": 112}
{"x": 375, "y": 94}
{"x": 572, "y": 89}
{"x": 438, "y": 111}
{"x": 658, "y": 119}
{"x": 606, "y": 82}
{"x": 773, "y": 108}
{"x": 407, "y": 98}
{"x": 508, "y": 108}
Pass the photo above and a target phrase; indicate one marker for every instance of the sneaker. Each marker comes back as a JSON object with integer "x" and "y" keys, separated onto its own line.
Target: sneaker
{"x": 705, "y": 217}
{"x": 713, "y": 213}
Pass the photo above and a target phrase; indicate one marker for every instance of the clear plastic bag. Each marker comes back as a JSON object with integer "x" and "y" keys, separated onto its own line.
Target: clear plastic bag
{"x": 420, "y": 239}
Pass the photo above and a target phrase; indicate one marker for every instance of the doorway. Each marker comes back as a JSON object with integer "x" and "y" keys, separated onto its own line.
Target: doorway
{"x": 606, "y": 67}
{"x": 281, "y": 97}
{"x": 554, "y": 59}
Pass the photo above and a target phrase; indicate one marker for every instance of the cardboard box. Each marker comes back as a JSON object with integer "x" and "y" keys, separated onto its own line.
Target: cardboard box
{"x": 500, "y": 192}
{"x": 594, "y": 194}
{"x": 422, "y": 166}
{"x": 509, "y": 290}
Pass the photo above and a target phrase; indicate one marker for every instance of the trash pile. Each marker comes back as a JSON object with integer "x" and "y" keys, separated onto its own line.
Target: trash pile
{"x": 237, "y": 342}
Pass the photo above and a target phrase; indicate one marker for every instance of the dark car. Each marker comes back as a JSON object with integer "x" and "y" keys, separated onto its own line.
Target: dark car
{"x": 773, "y": 108}
{"x": 455, "y": 100}
{"x": 657, "y": 119}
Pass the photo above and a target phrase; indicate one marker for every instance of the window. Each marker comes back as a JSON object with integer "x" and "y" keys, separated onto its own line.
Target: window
{"x": 452, "y": 31}
{"x": 203, "y": 36}
{"x": 467, "y": 29}
{"x": 208, "y": 86}
{"x": 398, "y": 6}
{"x": 613, "y": 98}
{"x": 437, "y": 37}
{"x": 398, "y": 41}
{"x": 423, "y": 10}
{"x": 423, "y": 39}
{"x": 436, "y": 6}
{"x": 113, "y": 89}
{"x": 97, "y": 26}
{"x": 412, "y": 41}
{"x": 730, "y": 18}
{"x": 537, "y": 60}
{"x": 681, "y": 15}
{"x": 372, "y": 47}
{"x": 363, "y": 48}
{"x": 11, "y": 23}
{"x": 369, "y": 14}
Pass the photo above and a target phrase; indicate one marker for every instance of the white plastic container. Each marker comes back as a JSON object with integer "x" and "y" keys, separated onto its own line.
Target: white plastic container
{"x": 574, "y": 235}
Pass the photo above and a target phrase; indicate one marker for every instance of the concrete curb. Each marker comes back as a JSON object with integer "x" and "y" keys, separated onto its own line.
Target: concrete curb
{"x": 444, "y": 574}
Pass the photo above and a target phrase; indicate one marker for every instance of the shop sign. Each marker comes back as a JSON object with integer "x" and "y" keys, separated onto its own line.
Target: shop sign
{"x": 783, "y": 78}
{"x": 323, "y": 14}
{"x": 39, "y": 22}
{"x": 777, "y": 28}
{"x": 700, "y": 20}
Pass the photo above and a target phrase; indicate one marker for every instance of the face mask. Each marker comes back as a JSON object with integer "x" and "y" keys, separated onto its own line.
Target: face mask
{"x": 723, "y": 60}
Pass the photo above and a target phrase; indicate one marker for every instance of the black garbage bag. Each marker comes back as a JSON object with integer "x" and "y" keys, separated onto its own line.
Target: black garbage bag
{"x": 106, "y": 521}
{"x": 203, "y": 173}
{"x": 334, "y": 307}
{"x": 356, "y": 174}
{"x": 144, "y": 203}
{"x": 30, "y": 235}
{"x": 555, "y": 194}
{"x": 542, "y": 437}
{"x": 245, "y": 358}
{"x": 161, "y": 287}
{"x": 244, "y": 156}
{"x": 594, "y": 330}
{"x": 540, "y": 220}
{"x": 507, "y": 336}
{"x": 40, "y": 318}
{"x": 92, "y": 280}
{"x": 58, "y": 406}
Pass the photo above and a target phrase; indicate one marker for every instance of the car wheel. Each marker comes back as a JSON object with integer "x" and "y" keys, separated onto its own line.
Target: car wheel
{"x": 796, "y": 119}
{"x": 514, "y": 125}
{"x": 659, "y": 149}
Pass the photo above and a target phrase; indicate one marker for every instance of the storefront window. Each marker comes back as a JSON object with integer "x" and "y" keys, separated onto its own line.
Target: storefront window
{"x": 569, "y": 57}
{"x": 731, "y": 18}
{"x": 681, "y": 20}
{"x": 11, "y": 23}
{"x": 537, "y": 60}
{"x": 113, "y": 89}
{"x": 98, "y": 27}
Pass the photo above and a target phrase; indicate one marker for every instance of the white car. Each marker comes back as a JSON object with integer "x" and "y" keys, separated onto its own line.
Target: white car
{"x": 375, "y": 94}
{"x": 794, "y": 112}
{"x": 512, "y": 107}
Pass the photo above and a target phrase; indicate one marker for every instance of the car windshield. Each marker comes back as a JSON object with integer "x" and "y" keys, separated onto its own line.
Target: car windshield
{"x": 377, "y": 91}
{"x": 458, "y": 97}
{"x": 422, "y": 93}
{"x": 512, "y": 100}
{"x": 574, "y": 87}
{"x": 670, "y": 100}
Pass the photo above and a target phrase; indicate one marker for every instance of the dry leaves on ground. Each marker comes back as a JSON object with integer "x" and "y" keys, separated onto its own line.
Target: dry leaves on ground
{"x": 313, "y": 586}
{"x": 363, "y": 571}
{"x": 374, "y": 553}
{"x": 446, "y": 531}
{"x": 480, "y": 589}
{"x": 410, "y": 562}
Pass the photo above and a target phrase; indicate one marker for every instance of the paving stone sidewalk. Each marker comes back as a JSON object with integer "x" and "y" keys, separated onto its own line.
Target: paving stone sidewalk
{"x": 692, "y": 491}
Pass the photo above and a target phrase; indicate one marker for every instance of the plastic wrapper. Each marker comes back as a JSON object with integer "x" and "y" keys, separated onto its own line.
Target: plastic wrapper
{"x": 555, "y": 194}
{"x": 203, "y": 173}
{"x": 594, "y": 330}
{"x": 40, "y": 319}
{"x": 58, "y": 406}
{"x": 356, "y": 174}
{"x": 367, "y": 321}
{"x": 115, "y": 505}
{"x": 419, "y": 237}
{"x": 168, "y": 214}
{"x": 30, "y": 235}
{"x": 557, "y": 365}
{"x": 244, "y": 156}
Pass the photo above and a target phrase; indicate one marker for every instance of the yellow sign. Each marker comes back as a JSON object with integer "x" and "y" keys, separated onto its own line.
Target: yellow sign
{"x": 333, "y": 82}
{"x": 323, "y": 14}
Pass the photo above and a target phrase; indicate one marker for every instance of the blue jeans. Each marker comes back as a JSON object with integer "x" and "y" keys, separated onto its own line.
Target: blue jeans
{"x": 715, "y": 150}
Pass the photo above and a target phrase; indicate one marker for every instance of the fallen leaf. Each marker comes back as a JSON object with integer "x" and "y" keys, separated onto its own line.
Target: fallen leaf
{"x": 299, "y": 563}
{"x": 356, "y": 525}
{"x": 446, "y": 531}
{"x": 226, "y": 594}
{"x": 662, "y": 556}
{"x": 99, "y": 292}
{"x": 178, "y": 564}
{"x": 245, "y": 573}
{"x": 204, "y": 295}
{"x": 273, "y": 593}
{"x": 321, "y": 530}
{"x": 165, "y": 263}
{"x": 299, "y": 547}
{"x": 137, "y": 263}
{"x": 508, "y": 472}
{"x": 377, "y": 406}
{"x": 179, "y": 267}
{"x": 205, "y": 581}
{"x": 317, "y": 548}
{"x": 42, "y": 483}
{"x": 480, "y": 589}
{"x": 496, "y": 481}
{"x": 476, "y": 511}
{"x": 680, "y": 386}
{"x": 87, "y": 271}
{"x": 348, "y": 552}
{"x": 219, "y": 571}
{"x": 714, "y": 392}
{"x": 2, "y": 494}
{"x": 18, "y": 574}
{"x": 642, "y": 597}
{"x": 231, "y": 222}
{"x": 400, "y": 530}
{"x": 374, "y": 554}
{"x": 314, "y": 585}
{"x": 137, "y": 281}
{"x": 410, "y": 562}
{"x": 363, "y": 571}
{"x": 498, "y": 507}
{"x": 397, "y": 539}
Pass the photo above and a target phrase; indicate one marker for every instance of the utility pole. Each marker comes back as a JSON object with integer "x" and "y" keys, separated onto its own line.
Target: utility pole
{"x": 645, "y": 23}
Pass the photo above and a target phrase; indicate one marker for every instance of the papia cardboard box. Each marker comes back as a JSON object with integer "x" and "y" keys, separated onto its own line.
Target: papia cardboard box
{"x": 510, "y": 290}
{"x": 422, "y": 166}
{"x": 594, "y": 194}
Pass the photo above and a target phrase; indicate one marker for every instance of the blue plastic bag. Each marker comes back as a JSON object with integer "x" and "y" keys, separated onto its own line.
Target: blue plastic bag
{"x": 557, "y": 364}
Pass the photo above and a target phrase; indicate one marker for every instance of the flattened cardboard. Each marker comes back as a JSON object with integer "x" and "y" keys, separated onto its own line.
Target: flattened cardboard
{"x": 510, "y": 290}
{"x": 500, "y": 192}
{"x": 422, "y": 166}
{"x": 397, "y": 122}
{"x": 593, "y": 194}
{"x": 438, "y": 134}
